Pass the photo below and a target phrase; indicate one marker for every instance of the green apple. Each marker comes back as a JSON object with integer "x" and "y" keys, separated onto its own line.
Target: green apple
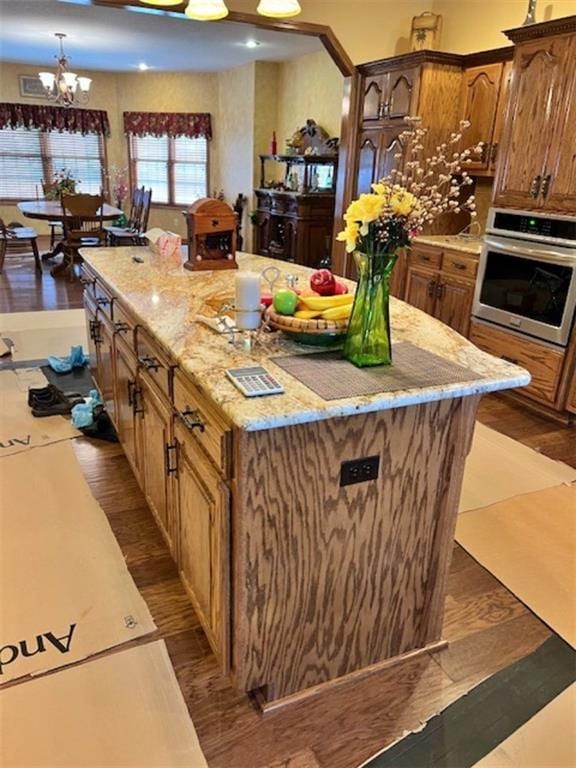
{"x": 285, "y": 301}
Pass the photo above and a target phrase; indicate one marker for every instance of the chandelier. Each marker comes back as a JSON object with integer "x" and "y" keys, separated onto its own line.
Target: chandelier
{"x": 212, "y": 10}
{"x": 65, "y": 88}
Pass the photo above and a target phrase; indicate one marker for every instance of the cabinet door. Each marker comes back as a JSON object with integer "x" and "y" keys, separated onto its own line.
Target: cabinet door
{"x": 479, "y": 100}
{"x": 402, "y": 93}
{"x": 374, "y": 88}
{"x": 156, "y": 458}
{"x": 531, "y": 121}
{"x": 559, "y": 187}
{"x": 105, "y": 369}
{"x": 421, "y": 289}
{"x": 204, "y": 551}
{"x": 367, "y": 160}
{"x": 398, "y": 279}
{"x": 501, "y": 111}
{"x": 390, "y": 146}
{"x": 125, "y": 394}
{"x": 92, "y": 334}
{"x": 454, "y": 304}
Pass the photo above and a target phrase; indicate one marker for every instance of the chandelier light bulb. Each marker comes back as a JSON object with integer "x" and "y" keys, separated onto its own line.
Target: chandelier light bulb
{"x": 279, "y": 9}
{"x": 84, "y": 83}
{"x": 206, "y": 10}
{"x": 162, "y": 3}
{"x": 47, "y": 79}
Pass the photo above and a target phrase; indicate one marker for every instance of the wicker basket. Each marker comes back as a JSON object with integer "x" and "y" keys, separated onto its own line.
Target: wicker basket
{"x": 317, "y": 332}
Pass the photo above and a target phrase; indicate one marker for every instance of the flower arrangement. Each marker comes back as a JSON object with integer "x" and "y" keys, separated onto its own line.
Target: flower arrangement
{"x": 382, "y": 222}
{"x": 63, "y": 183}
{"x": 118, "y": 184}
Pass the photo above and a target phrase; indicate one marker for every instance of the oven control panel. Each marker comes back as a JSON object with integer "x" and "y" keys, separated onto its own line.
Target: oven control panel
{"x": 551, "y": 229}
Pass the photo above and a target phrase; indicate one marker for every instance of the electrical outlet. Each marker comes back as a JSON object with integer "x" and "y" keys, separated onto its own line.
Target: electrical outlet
{"x": 359, "y": 470}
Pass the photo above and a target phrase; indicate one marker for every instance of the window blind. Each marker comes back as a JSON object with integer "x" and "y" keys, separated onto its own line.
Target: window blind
{"x": 30, "y": 157}
{"x": 176, "y": 169}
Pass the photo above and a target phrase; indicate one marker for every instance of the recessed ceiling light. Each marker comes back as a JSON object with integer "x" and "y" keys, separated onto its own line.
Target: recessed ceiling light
{"x": 252, "y": 43}
{"x": 143, "y": 66}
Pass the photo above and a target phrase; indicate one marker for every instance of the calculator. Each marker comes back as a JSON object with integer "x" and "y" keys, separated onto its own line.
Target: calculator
{"x": 254, "y": 382}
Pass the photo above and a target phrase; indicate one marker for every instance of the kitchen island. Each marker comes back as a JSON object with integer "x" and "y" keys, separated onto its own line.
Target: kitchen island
{"x": 299, "y": 582}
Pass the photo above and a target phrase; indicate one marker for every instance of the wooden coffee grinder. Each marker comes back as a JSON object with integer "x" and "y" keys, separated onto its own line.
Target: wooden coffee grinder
{"x": 211, "y": 227}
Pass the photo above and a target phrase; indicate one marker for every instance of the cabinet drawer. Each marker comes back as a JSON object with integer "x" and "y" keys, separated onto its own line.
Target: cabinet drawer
{"x": 203, "y": 422}
{"x": 104, "y": 299}
{"x": 425, "y": 257}
{"x": 543, "y": 363}
{"x": 124, "y": 325}
{"x": 88, "y": 280}
{"x": 154, "y": 362}
{"x": 459, "y": 264}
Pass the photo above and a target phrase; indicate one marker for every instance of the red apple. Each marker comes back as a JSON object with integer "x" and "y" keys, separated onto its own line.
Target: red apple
{"x": 340, "y": 288}
{"x": 322, "y": 281}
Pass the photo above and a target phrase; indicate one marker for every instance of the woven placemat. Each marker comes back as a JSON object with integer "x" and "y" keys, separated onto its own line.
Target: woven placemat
{"x": 333, "y": 378}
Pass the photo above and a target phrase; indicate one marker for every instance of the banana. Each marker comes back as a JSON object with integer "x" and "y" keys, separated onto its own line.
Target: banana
{"x": 337, "y": 313}
{"x": 307, "y": 314}
{"x": 321, "y": 303}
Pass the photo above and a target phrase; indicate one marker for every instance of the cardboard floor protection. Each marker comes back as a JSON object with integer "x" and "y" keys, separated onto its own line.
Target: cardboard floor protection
{"x": 65, "y": 590}
{"x": 19, "y": 429}
{"x": 529, "y": 544}
{"x": 124, "y": 710}
{"x": 499, "y": 468}
{"x": 38, "y": 334}
{"x": 548, "y": 740}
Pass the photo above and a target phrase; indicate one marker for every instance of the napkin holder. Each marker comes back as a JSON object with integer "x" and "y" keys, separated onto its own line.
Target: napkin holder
{"x": 211, "y": 228}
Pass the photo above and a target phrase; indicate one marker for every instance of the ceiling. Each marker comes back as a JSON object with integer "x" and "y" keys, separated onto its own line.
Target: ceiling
{"x": 118, "y": 39}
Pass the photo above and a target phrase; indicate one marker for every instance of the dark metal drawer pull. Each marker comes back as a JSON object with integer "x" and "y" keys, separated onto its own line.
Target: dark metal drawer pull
{"x": 131, "y": 386}
{"x": 535, "y": 186}
{"x": 432, "y": 289}
{"x": 101, "y": 301}
{"x": 459, "y": 265}
{"x": 136, "y": 408}
{"x": 424, "y": 258}
{"x": 149, "y": 363}
{"x": 95, "y": 331}
{"x": 546, "y": 185}
{"x": 509, "y": 360}
{"x": 192, "y": 419}
{"x": 121, "y": 327}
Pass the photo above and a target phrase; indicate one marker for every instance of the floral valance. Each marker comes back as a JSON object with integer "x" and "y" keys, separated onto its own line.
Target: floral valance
{"x": 190, "y": 124}
{"x": 50, "y": 118}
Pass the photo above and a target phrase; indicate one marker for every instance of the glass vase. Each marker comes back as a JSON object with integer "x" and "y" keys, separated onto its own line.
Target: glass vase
{"x": 368, "y": 337}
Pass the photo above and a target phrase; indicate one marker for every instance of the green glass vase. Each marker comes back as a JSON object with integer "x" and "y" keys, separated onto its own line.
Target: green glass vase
{"x": 368, "y": 337}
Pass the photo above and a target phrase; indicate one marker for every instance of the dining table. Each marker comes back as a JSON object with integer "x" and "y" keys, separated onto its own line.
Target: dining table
{"x": 51, "y": 210}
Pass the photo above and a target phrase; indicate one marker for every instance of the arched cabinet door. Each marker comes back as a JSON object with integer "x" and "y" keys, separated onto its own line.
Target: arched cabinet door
{"x": 532, "y": 120}
{"x": 402, "y": 93}
{"x": 367, "y": 161}
{"x": 373, "y": 98}
{"x": 479, "y": 100}
{"x": 390, "y": 146}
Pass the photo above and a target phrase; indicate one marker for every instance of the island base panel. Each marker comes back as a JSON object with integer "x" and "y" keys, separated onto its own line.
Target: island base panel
{"x": 329, "y": 580}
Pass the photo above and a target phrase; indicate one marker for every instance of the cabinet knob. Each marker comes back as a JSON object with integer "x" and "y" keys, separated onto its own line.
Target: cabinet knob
{"x": 535, "y": 186}
{"x": 192, "y": 419}
{"x": 546, "y": 185}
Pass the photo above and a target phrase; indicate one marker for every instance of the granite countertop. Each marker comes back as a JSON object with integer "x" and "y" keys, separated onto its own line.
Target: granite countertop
{"x": 472, "y": 246}
{"x": 166, "y": 303}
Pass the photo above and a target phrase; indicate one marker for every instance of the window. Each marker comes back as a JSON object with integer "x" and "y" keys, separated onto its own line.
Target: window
{"x": 176, "y": 169}
{"x": 30, "y": 157}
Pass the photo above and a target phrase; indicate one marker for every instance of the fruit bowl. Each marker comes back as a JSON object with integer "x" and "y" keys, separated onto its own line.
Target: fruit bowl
{"x": 316, "y": 332}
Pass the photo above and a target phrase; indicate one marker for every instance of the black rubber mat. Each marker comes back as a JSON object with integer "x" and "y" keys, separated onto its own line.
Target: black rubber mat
{"x": 475, "y": 724}
{"x": 78, "y": 380}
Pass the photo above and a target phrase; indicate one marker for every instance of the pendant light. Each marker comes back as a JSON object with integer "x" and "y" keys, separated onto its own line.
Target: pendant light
{"x": 206, "y": 10}
{"x": 162, "y": 3}
{"x": 279, "y": 9}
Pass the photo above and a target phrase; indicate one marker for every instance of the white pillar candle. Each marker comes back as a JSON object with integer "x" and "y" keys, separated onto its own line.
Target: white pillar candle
{"x": 248, "y": 313}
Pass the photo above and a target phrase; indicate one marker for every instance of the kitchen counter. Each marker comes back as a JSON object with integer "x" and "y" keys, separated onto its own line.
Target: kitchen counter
{"x": 472, "y": 246}
{"x": 166, "y": 304}
{"x": 313, "y": 538}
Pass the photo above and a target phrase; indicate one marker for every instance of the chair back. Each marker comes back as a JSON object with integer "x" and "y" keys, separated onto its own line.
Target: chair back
{"x": 146, "y": 203}
{"x": 3, "y": 230}
{"x": 83, "y": 217}
{"x": 135, "y": 208}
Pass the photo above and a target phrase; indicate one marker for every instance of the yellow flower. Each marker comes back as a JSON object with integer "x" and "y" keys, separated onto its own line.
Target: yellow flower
{"x": 402, "y": 203}
{"x": 381, "y": 189}
{"x": 350, "y": 236}
{"x": 366, "y": 209}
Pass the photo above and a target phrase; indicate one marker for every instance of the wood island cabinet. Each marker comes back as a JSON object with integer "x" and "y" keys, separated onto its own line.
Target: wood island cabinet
{"x": 125, "y": 366}
{"x": 537, "y": 169}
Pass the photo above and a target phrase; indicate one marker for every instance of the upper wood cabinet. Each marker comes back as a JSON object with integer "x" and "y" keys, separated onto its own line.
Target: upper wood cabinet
{"x": 390, "y": 95}
{"x": 376, "y": 154}
{"x": 481, "y": 90}
{"x": 503, "y": 99}
{"x": 537, "y": 168}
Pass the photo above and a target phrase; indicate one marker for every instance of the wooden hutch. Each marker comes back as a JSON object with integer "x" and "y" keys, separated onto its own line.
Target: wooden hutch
{"x": 295, "y": 217}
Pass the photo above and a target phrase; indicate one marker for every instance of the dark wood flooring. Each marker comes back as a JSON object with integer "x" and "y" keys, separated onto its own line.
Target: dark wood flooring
{"x": 487, "y": 627}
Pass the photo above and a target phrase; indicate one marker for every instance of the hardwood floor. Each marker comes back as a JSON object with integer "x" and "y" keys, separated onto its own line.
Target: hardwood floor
{"x": 23, "y": 290}
{"x": 488, "y": 628}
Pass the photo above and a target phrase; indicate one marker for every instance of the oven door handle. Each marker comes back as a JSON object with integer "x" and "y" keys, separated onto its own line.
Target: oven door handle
{"x": 542, "y": 254}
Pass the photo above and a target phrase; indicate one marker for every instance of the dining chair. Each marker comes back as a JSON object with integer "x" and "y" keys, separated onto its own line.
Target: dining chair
{"x": 15, "y": 238}
{"x": 137, "y": 222}
{"x": 55, "y": 226}
{"x": 83, "y": 225}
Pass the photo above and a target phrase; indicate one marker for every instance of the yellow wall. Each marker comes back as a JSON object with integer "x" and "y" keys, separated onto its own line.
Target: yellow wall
{"x": 476, "y": 25}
